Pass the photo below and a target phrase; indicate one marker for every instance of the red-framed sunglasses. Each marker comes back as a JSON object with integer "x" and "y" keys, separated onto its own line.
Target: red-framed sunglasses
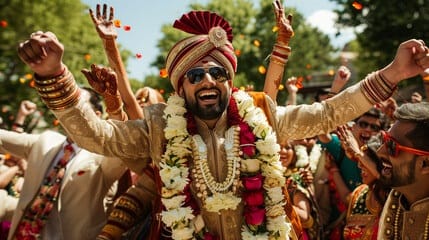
{"x": 393, "y": 147}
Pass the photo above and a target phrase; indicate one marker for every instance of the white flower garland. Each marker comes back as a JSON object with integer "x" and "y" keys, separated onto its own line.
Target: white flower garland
{"x": 174, "y": 172}
{"x": 303, "y": 159}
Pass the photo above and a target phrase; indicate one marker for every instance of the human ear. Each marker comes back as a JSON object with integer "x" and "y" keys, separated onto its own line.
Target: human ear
{"x": 181, "y": 92}
{"x": 425, "y": 165}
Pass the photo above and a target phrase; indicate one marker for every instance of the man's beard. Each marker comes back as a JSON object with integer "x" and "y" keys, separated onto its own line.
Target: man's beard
{"x": 402, "y": 175}
{"x": 208, "y": 112}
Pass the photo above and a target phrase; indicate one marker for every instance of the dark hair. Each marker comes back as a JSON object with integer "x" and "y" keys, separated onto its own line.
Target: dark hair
{"x": 375, "y": 113}
{"x": 417, "y": 113}
{"x": 321, "y": 91}
{"x": 94, "y": 99}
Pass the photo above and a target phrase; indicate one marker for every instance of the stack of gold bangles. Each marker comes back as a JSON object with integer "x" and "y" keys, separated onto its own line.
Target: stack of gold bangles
{"x": 60, "y": 92}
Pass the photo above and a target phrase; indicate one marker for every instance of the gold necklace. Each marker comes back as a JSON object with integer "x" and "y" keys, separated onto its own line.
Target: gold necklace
{"x": 426, "y": 232}
{"x": 396, "y": 222}
{"x": 201, "y": 171}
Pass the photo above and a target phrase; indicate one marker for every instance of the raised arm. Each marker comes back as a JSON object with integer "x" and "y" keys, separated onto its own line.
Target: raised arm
{"x": 292, "y": 90}
{"x": 58, "y": 89}
{"x": 25, "y": 108}
{"x": 280, "y": 53}
{"x": 341, "y": 78}
{"x": 103, "y": 22}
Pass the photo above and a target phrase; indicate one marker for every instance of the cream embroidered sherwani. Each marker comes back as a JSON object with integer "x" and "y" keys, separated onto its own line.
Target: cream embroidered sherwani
{"x": 411, "y": 223}
{"x": 138, "y": 142}
{"x": 79, "y": 211}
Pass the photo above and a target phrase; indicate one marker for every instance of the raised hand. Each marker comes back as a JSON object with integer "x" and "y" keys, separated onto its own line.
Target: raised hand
{"x": 340, "y": 80}
{"x": 291, "y": 85}
{"x": 104, "y": 81}
{"x": 103, "y": 23}
{"x": 43, "y": 53}
{"x": 348, "y": 141}
{"x": 411, "y": 59}
{"x": 306, "y": 175}
{"x": 284, "y": 25}
{"x": 27, "y": 107}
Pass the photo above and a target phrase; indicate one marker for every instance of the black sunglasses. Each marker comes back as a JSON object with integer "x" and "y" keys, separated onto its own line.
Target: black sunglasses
{"x": 196, "y": 75}
{"x": 373, "y": 127}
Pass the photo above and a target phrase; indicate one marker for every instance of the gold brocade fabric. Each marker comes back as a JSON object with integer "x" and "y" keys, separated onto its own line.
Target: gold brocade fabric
{"x": 396, "y": 222}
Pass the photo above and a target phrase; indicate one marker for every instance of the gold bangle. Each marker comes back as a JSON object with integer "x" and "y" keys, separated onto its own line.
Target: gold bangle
{"x": 283, "y": 47}
{"x": 282, "y": 50}
{"x": 57, "y": 94}
{"x": 65, "y": 105}
{"x": 47, "y": 81}
{"x": 56, "y": 85}
{"x": 278, "y": 60}
{"x": 62, "y": 98}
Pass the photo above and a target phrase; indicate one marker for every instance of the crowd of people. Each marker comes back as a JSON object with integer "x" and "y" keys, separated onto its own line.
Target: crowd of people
{"x": 213, "y": 161}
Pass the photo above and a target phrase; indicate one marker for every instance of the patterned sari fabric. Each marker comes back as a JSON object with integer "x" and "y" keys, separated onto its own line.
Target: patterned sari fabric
{"x": 361, "y": 221}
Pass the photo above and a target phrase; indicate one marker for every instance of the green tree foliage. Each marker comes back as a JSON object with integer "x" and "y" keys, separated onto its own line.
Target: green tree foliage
{"x": 69, "y": 20}
{"x": 254, "y": 39}
{"x": 383, "y": 25}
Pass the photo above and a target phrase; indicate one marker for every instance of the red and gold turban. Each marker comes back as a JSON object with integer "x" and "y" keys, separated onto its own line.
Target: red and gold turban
{"x": 212, "y": 37}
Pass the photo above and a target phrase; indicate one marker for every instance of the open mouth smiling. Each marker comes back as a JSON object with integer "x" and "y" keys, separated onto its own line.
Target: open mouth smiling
{"x": 208, "y": 97}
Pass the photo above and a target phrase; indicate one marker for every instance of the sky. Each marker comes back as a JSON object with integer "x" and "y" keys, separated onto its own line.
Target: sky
{"x": 146, "y": 19}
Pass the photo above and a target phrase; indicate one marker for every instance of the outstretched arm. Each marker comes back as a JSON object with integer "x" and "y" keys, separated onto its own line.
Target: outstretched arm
{"x": 104, "y": 24}
{"x": 280, "y": 53}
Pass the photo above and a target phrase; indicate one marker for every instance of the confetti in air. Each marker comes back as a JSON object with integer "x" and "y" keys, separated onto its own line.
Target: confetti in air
{"x": 275, "y": 29}
{"x": 163, "y": 73}
{"x": 237, "y": 52}
{"x": 256, "y": 43}
{"x": 3, "y": 23}
{"x": 357, "y": 5}
{"x": 262, "y": 69}
{"x": 298, "y": 83}
{"x": 117, "y": 23}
